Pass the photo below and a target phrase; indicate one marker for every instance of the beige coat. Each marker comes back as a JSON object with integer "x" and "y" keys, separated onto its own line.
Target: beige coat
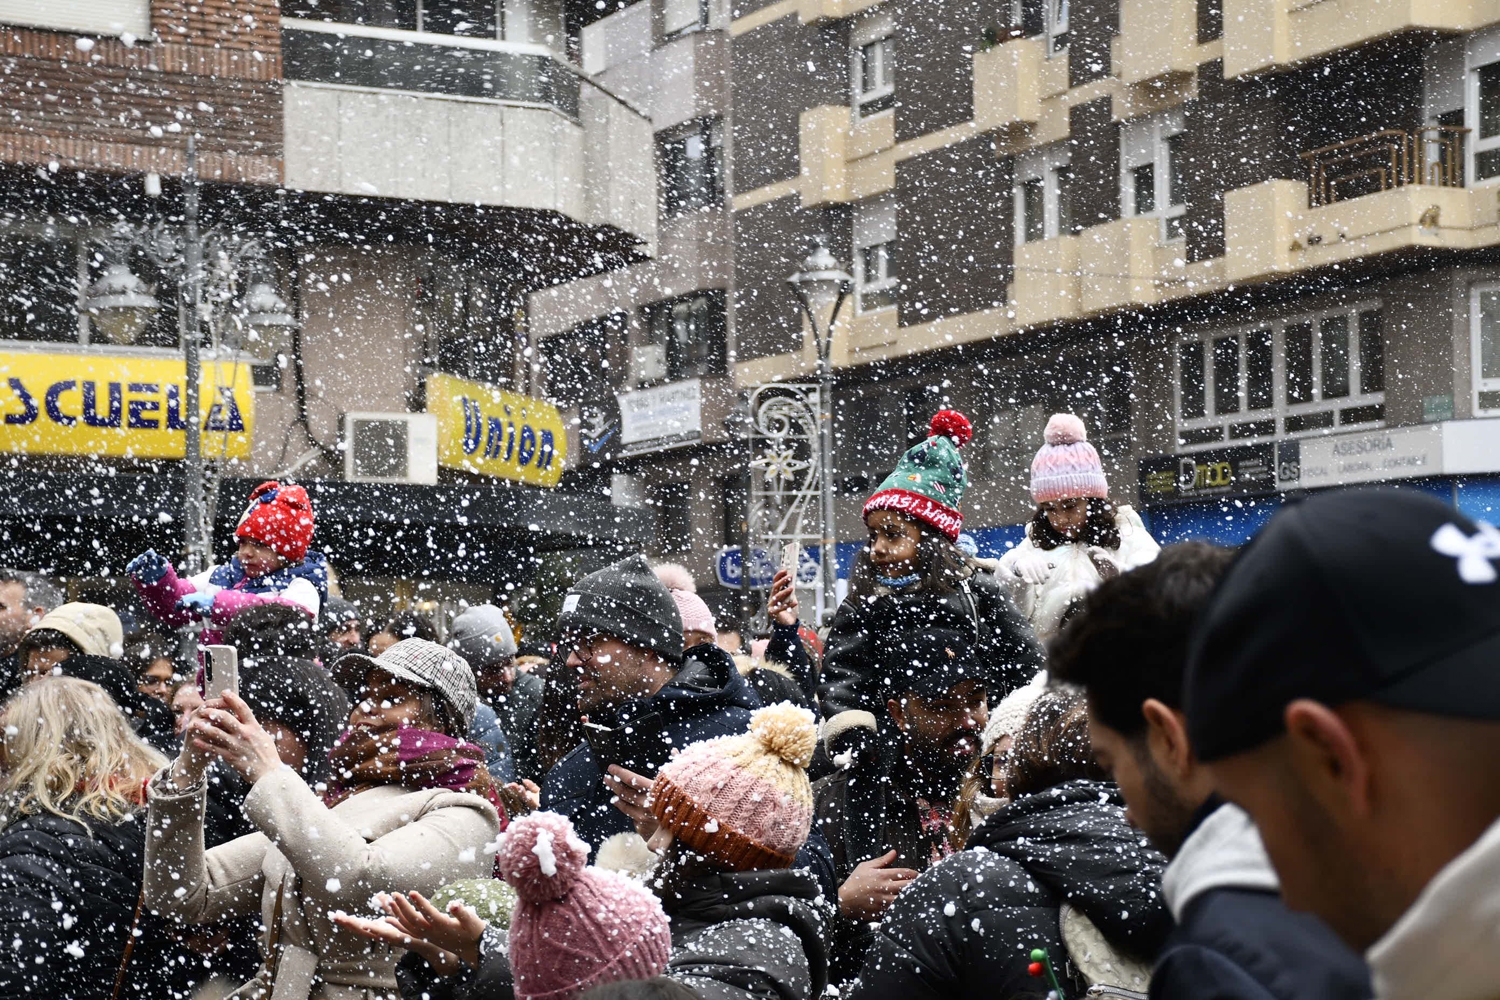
{"x": 307, "y": 862}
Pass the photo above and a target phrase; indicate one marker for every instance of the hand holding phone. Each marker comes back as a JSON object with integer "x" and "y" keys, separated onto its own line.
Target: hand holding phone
{"x": 222, "y": 671}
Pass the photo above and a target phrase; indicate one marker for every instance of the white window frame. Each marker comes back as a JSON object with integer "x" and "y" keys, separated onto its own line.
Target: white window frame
{"x": 878, "y": 35}
{"x": 1146, "y": 142}
{"x": 1056, "y": 28}
{"x": 699, "y": 22}
{"x": 1042, "y": 165}
{"x": 1280, "y": 409}
{"x": 1482, "y": 386}
{"x": 875, "y": 228}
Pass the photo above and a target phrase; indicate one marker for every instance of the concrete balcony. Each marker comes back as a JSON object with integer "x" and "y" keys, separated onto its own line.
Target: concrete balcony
{"x": 1121, "y": 260}
{"x": 400, "y": 114}
{"x": 1270, "y": 230}
{"x": 1265, "y": 35}
{"x": 1007, "y": 86}
{"x": 1158, "y": 40}
{"x": 823, "y": 150}
{"x": 1046, "y": 286}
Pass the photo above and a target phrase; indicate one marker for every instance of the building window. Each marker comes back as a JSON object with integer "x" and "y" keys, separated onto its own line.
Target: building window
{"x": 1044, "y": 195}
{"x": 538, "y": 21}
{"x": 874, "y": 67}
{"x": 1152, "y": 181}
{"x": 875, "y": 280}
{"x": 1484, "y": 319}
{"x": 43, "y": 267}
{"x": 1057, "y": 26}
{"x": 681, "y": 16}
{"x": 1294, "y": 376}
{"x": 691, "y": 333}
{"x": 1484, "y": 112}
{"x": 691, "y": 159}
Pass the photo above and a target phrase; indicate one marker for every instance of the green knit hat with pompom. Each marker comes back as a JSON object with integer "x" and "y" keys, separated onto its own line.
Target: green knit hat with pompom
{"x": 929, "y": 480}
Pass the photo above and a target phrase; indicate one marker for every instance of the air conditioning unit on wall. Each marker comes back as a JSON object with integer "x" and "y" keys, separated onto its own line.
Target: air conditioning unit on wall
{"x": 390, "y": 447}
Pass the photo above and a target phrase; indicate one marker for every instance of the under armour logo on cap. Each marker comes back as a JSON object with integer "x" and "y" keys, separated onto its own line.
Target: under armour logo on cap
{"x": 1475, "y": 554}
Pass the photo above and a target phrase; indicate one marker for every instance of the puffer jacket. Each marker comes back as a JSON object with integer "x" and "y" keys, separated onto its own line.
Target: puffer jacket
{"x": 308, "y": 861}
{"x": 966, "y": 927}
{"x": 743, "y": 935}
{"x": 1006, "y": 643}
{"x": 67, "y": 901}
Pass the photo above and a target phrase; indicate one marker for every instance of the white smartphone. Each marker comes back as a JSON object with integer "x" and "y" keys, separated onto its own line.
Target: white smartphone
{"x": 791, "y": 559}
{"x": 223, "y": 673}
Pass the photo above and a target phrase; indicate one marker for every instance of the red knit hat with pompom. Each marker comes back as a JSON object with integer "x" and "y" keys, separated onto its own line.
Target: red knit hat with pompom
{"x": 279, "y": 517}
{"x": 574, "y": 927}
{"x": 929, "y": 480}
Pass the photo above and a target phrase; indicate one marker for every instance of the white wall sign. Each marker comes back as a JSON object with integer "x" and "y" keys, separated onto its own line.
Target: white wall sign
{"x": 1372, "y": 456}
{"x": 663, "y": 416}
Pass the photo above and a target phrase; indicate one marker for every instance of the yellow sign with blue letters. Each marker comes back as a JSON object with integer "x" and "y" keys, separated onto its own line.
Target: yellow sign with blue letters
{"x": 121, "y": 406}
{"x": 492, "y": 432}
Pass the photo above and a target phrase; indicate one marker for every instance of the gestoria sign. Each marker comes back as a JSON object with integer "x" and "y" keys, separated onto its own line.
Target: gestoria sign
{"x": 121, "y": 406}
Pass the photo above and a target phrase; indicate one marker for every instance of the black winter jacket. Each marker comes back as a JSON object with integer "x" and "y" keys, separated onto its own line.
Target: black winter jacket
{"x": 707, "y": 698}
{"x": 744, "y": 935}
{"x": 1235, "y": 939}
{"x": 967, "y": 926}
{"x": 1007, "y": 645}
{"x": 67, "y": 901}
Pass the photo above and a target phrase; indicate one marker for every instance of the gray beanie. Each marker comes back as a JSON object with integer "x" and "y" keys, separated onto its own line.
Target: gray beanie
{"x": 627, "y": 601}
{"x": 482, "y": 636}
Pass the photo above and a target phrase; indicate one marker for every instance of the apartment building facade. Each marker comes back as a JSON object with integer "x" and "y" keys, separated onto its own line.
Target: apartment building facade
{"x": 397, "y": 178}
{"x": 1251, "y": 242}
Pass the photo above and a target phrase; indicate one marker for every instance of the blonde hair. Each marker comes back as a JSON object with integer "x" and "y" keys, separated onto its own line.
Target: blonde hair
{"x": 69, "y": 750}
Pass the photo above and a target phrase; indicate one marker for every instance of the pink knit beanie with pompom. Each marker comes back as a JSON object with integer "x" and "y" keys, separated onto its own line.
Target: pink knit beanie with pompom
{"x": 743, "y": 801}
{"x": 1067, "y": 466}
{"x": 575, "y": 927}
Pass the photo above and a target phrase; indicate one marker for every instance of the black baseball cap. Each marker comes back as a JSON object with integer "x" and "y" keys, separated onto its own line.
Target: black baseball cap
{"x": 928, "y": 662}
{"x": 1386, "y": 595}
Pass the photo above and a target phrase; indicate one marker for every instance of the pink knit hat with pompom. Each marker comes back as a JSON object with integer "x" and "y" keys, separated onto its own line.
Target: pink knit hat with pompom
{"x": 1067, "y": 466}
{"x": 575, "y": 927}
{"x": 743, "y": 801}
{"x": 696, "y": 617}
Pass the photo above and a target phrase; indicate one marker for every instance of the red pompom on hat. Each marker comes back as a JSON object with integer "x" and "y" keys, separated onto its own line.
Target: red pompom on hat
{"x": 279, "y": 517}
{"x": 952, "y": 424}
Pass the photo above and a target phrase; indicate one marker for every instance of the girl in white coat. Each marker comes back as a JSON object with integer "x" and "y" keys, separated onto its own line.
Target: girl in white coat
{"x": 1077, "y": 538}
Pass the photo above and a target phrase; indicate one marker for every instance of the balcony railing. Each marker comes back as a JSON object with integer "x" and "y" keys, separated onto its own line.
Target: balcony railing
{"x": 1386, "y": 159}
{"x": 388, "y": 58}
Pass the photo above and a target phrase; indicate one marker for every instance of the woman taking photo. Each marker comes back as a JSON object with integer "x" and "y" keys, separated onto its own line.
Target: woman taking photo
{"x": 409, "y": 807}
{"x": 71, "y": 846}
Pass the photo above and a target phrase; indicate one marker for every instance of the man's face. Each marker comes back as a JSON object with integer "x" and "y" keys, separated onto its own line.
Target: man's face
{"x": 496, "y": 679}
{"x": 942, "y": 734}
{"x": 610, "y": 673}
{"x": 346, "y": 637}
{"x": 1153, "y": 804}
{"x": 15, "y": 616}
{"x": 1320, "y": 865}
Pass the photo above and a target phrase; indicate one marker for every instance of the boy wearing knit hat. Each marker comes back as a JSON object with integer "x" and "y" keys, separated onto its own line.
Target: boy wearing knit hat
{"x": 641, "y": 696}
{"x": 913, "y": 576}
{"x": 1077, "y": 537}
{"x": 271, "y": 563}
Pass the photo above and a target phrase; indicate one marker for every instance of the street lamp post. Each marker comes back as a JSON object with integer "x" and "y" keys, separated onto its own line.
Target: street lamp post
{"x": 120, "y": 306}
{"x": 822, "y": 285}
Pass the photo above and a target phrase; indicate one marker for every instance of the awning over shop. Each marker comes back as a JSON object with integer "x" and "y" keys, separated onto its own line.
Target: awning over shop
{"x": 74, "y": 523}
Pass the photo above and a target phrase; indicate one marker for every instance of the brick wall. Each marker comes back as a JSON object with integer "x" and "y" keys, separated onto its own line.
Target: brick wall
{"x": 213, "y": 68}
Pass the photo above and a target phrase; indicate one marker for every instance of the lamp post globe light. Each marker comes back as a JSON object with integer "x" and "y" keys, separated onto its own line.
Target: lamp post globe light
{"x": 120, "y": 305}
{"x": 821, "y": 286}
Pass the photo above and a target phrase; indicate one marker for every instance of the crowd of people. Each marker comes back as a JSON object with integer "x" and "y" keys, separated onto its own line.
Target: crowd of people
{"x": 1092, "y": 767}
